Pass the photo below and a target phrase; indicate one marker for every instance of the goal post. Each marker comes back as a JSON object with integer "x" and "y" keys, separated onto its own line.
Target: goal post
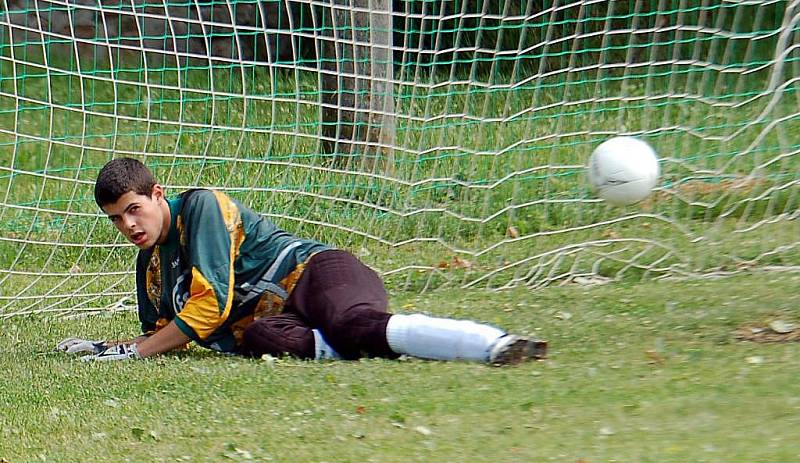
{"x": 441, "y": 141}
{"x": 356, "y": 82}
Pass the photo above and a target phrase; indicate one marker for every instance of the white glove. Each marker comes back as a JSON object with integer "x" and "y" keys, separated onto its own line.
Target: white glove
{"x": 77, "y": 346}
{"x": 118, "y": 352}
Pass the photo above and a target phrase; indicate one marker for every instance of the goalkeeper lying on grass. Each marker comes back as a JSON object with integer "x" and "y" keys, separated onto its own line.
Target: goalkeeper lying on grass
{"x": 212, "y": 271}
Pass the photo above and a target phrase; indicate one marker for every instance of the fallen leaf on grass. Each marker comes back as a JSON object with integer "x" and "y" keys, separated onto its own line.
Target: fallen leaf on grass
{"x": 654, "y": 357}
{"x": 461, "y": 263}
{"x": 611, "y": 234}
{"x": 781, "y": 327}
{"x": 606, "y": 431}
{"x": 423, "y": 430}
{"x": 234, "y": 453}
{"x": 512, "y": 232}
{"x": 761, "y": 334}
{"x": 111, "y": 403}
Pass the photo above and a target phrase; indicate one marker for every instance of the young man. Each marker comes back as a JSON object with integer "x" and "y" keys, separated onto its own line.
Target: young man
{"x": 212, "y": 271}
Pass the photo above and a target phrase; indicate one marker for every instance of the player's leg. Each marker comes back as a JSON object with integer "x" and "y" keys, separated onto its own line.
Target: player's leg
{"x": 346, "y": 301}
{"x": 282, "y": 334}
{"x": 447, "y": 339}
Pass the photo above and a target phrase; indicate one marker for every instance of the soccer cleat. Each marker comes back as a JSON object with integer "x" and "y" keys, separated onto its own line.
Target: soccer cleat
{"x": 512, "y": 349}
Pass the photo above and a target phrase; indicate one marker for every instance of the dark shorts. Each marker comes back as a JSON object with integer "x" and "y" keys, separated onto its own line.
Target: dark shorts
{"x": 336, "y": 294}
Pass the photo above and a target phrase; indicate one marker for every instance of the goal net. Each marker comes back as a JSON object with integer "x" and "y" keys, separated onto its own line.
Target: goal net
{"x": 442, "y": 141}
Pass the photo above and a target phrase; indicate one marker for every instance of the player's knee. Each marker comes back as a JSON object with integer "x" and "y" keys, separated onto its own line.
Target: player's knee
{"x": 359, "y": 331}
{"x": 264, "y": 337}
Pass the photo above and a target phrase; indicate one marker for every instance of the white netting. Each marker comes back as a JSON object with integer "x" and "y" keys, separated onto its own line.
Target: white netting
{"x": 442, "y": 141}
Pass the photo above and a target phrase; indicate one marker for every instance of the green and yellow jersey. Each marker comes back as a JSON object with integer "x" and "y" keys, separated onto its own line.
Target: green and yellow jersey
{"x": 221, "y": 267}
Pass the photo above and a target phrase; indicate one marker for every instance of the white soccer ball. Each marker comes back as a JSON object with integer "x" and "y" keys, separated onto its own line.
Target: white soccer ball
{"x": 623, "y": 170}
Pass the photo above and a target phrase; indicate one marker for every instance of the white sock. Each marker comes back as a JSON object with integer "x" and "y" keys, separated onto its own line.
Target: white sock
{"x": 440, "y": 338}
{"x": 323, "y": 350}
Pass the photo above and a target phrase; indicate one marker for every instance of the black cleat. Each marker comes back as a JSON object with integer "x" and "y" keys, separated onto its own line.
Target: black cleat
{"x": 512, "y": 349}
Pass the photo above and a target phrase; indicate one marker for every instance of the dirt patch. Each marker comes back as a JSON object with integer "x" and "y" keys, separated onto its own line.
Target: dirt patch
{"x": 765, "y": 334}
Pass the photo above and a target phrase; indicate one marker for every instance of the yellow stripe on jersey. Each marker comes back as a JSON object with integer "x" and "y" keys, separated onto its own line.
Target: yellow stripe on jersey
{"x": 201, "y": 311}
{"x": 233, "y": 223}
{"x": 153, "y": 284}
{"x": 230, "y": 213}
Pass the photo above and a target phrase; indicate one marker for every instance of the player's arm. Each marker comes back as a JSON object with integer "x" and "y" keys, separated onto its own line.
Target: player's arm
{"x": 213, "y": 230}
{"x": 158, "y": 335}
{"x": 96, "y": 347}
{"x": 148, "y": 316}
{"x": 164, "y": 340}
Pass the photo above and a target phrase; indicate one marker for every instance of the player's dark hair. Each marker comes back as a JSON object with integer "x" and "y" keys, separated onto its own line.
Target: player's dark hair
{"x": 120, "y": 176}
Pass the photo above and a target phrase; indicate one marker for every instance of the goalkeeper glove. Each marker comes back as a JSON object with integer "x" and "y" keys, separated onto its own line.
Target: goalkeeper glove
{"x": 118, "y": 352}
{"x": 77, "y": 346}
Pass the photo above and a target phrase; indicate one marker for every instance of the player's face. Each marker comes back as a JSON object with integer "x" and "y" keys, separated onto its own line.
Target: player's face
{"x": 143, "y": 220}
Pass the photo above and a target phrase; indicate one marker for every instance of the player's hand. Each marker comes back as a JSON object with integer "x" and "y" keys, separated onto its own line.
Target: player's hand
{"x": 118, "y": 352}
{"x": 77, "y": 346}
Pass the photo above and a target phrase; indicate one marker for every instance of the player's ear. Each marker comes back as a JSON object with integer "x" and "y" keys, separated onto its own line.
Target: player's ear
{"x": 157, "y": 193}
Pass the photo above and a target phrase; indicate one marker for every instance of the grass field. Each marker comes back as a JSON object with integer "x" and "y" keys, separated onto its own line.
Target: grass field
{"x": 638, "y": 373}
{"x": 485, "y": 189}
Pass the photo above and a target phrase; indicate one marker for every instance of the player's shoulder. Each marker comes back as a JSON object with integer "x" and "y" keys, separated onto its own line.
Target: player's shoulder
{"x": 201, "y": 198}
{"x": 197, "y": 194}
{"x": 203, "y": 204}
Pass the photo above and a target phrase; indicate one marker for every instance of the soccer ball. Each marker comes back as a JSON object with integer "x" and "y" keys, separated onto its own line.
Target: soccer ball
{"x": 623, "y": 170}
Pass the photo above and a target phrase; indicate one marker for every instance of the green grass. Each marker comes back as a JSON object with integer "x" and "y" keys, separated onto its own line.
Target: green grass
{"x": 641, "y": 370}
{"x": 637, "y": 373}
